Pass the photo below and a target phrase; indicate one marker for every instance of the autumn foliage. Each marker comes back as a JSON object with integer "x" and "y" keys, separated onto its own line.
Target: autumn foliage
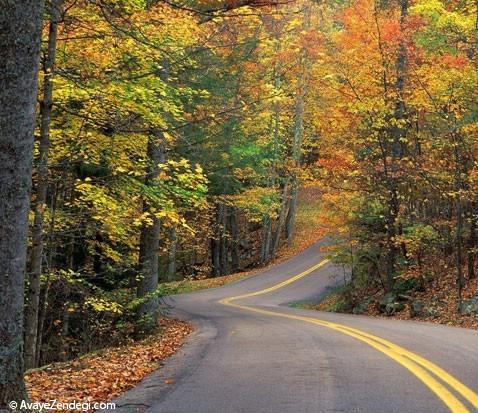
{"x": 173, "y": 138}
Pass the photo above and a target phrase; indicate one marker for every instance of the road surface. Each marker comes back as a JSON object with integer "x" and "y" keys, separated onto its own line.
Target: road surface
{"x": 252, "y": 353}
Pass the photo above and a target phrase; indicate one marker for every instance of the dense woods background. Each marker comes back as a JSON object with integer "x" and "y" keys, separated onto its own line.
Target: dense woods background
{"x": 172, "y": 138}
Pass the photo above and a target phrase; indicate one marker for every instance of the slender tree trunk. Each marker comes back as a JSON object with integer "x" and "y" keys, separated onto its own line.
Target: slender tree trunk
{"x": 219, "y": 250}
{"x": 298, "y": 134}
{"x": 471, "y": 255}
{"x": 391, "y": 255}
{"x": 266, "y": 240}
{"x": 224, "y": 258}
{"x": 46, "y": 289}
{"x": 292, "y": 212}
{"x": 399, "y": 131}
{"x": 216, "y": 243}
{"x": 149, "y": 243}
{"x": 397, "y": 152}
{"x": 459, "y": 223}
{"x": 215, "y": 254}
{"x": 235, "y": 259}
{"x": 459, "y": 250}
{"x": 20, "y": 36}
{"x": 281, "y": 221}
{"x": 173, "y": 243}
{"x": 33, "y": 295}
{"x": 296, "y": 153}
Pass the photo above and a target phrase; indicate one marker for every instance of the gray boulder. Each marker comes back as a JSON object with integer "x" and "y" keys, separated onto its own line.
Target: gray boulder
{"x": 417, "y": 308}
{"x": 470, "y": 307}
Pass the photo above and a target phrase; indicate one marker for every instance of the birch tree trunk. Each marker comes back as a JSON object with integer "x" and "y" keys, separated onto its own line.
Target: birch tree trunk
{"x": 20, "y": 36}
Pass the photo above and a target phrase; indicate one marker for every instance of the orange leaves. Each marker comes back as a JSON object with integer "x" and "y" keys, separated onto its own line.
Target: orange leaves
{"x": 105, "y": 375}
{"x": 455, "y": 62}
{"x": 391, "y": 31}
{"x": 311, "y": 42}
{"x": 336, "y": 163}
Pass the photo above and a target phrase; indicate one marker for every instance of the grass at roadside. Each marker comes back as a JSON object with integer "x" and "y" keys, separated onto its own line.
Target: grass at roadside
{"x": 190, "y": 285}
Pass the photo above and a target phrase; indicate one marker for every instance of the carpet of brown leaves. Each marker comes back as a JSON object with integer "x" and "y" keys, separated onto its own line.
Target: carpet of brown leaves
{"x": 106, "y": 374}
{"x": 308, "y": 228}
{"x": 441, "y": 295}
{"x": 443, "y": 292}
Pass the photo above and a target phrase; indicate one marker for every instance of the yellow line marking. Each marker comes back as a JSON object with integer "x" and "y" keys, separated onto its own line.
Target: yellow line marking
{"x": 417, "y": 365}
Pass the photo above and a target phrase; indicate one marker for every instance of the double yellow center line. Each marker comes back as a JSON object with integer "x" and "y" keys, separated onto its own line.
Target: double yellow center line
{"x": 433, "y": 376}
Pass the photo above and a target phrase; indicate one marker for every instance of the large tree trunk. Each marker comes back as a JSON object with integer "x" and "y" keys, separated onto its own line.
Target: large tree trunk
{"x": 31, "y": 318}
{"x": 20, "y": 35}
{"x": 149, "y": 244}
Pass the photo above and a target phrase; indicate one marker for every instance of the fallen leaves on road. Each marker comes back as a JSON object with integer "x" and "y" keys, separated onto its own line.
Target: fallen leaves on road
{"x": 106, "y": 374}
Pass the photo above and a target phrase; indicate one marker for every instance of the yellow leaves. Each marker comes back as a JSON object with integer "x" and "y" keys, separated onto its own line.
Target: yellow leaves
{"x": 168, "y": 137}
{"x": 103, "y": 305}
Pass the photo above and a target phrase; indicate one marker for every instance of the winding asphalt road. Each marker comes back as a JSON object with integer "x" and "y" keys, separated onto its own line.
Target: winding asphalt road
{"x": 251, "y": 353}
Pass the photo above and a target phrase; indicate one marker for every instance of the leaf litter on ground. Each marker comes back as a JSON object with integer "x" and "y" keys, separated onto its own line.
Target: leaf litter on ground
{"x": 104, "y": 375}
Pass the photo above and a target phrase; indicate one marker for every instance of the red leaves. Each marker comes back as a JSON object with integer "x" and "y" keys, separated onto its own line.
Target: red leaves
{"x": 105, "y": 375}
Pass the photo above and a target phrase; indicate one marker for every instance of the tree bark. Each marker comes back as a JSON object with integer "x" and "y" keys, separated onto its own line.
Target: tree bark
{"x": 33, "y": 292}
{"x": 215, "y": 244}
{"x": 298, "y": 135}
{"x": 471, "y": 254}
{"x": 397, "y": 152}
{"x": 459, "y": 223}
{"x": 282, "y": 217}
{"x": 149, "y": 243}
{"x": 20, "y": 36}
{"x": 219, "y": 250}
{"x": 235, "y": 258}
{"x": 223, "y": 244}
{"x": 173, "y": 239}
{"x": 266, "y": 239}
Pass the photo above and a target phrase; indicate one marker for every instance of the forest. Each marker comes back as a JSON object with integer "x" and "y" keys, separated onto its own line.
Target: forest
{"x": 172, "y": 138}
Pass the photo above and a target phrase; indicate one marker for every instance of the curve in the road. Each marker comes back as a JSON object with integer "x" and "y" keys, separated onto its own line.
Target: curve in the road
{"x": 416, "y": 364}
